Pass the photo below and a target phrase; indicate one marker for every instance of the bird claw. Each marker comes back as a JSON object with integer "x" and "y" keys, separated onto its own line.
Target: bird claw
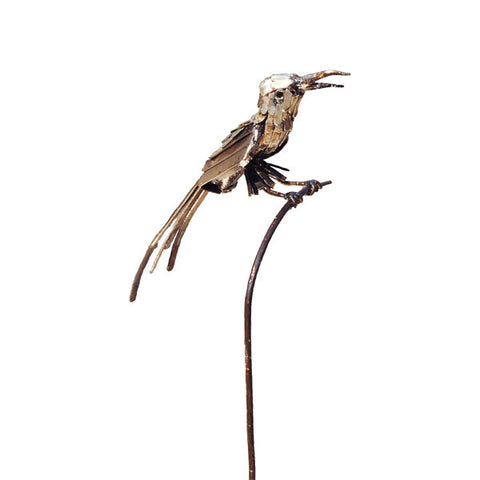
{"x": 313, "y": 186}
{"x": 293, "y": 197}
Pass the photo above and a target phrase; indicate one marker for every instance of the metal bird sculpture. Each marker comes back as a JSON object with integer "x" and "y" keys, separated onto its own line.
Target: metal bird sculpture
{"x": 243, "y": 152}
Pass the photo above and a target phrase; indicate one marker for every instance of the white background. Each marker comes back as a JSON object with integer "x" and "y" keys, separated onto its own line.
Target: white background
{"x": 366, "y": 312}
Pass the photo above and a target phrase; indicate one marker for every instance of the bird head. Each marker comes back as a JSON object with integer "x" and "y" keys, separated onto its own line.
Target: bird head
{"x": 283, "y": 91}
{"x": 297, "y": 84}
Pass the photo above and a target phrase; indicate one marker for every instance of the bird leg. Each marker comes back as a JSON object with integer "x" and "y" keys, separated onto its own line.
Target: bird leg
{"x": 293, "y": 197}
{"x": 314, "y": 185}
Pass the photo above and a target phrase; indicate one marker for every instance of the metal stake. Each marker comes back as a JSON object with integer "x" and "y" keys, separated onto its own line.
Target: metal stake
{"x": 292, "y": 201}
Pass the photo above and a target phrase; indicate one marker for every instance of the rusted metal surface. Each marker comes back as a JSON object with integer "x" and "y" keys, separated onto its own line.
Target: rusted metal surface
{"x": 292, "y": 201}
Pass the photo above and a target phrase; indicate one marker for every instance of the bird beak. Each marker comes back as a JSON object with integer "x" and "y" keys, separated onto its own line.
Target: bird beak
{"x": 310, "y": 81}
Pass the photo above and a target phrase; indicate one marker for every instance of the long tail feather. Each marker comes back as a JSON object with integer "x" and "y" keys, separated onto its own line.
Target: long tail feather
{"x": 181, "y": 229}
{"x": 173, "y": 216}
{"x": 164, "y": 246}
{"x": 176, "y": 226}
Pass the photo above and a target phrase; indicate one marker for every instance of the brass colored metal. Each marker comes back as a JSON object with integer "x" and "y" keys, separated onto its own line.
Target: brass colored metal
{"x": 243, "y": 152}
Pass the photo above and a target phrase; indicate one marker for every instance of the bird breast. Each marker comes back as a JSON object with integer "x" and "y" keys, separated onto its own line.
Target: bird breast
{"x": 277, "y": 114}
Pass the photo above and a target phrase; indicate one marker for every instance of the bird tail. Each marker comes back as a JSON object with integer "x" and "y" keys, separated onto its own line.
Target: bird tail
{"x": 171, "y": 233}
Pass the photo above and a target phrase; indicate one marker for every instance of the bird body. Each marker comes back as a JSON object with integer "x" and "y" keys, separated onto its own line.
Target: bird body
{"x": 243, "y": 152}
{"x": 262, "y": 136}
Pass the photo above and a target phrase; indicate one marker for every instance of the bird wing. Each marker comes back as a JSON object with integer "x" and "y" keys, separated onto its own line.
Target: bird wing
{"x": 232, "y": 156}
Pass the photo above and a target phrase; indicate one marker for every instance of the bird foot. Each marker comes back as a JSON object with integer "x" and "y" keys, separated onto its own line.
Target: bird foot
{"x": 313, "y": 186}
{"x": 294, "y": 198}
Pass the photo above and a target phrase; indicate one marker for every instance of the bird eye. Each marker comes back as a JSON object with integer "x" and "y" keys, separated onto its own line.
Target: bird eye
{"x": 279, "y": 94}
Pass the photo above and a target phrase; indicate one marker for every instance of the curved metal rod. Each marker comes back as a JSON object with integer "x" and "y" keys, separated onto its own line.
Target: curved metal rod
{"x": 292, "y": 201}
